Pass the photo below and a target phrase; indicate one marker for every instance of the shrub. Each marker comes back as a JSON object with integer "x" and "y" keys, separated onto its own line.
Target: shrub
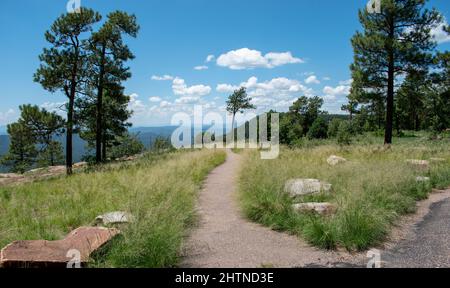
{"x": 333, "y": 127}
{"x": 319, "y": 129}
{"x": 344, "y": 135}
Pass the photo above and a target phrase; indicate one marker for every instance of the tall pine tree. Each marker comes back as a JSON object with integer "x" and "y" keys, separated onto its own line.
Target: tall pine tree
{"x": 392, "y": 42}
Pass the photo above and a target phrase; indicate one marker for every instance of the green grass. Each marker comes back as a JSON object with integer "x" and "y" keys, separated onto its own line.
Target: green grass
{"x": 370, "y": 191}
{"x": 159, "y": 190}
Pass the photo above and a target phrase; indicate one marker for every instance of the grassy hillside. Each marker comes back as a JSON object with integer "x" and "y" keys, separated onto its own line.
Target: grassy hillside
{"x": 159, "y": 190}
{"x": 371, "y": 190}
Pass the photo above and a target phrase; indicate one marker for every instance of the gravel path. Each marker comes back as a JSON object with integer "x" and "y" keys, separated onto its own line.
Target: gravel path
{"x": 429, "y": 246}
{"x": 224, "y": 239}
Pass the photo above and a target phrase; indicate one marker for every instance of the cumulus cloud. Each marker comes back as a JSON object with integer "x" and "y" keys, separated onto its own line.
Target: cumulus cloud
{"x": 210, "y": 58}
{"x": 199, "y": 68}
{"x": 136, "y": 105}
{"x": 312, "y": 80}
{"x": 180, "y": 88}
{"x": 248, "y": 59}
{"x": 326, "y": 78}
{"x": 226, "y": 88}
{"x": 155, "y": 99}
{"x": 346, "y": 82}
{"x": 162, "y": 78}
{"x": 331, "y": 93}
{"x": 7, "y": 117}
{"x": 438, "y": 33}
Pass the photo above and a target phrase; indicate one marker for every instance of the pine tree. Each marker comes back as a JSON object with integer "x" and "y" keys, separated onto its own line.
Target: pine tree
{"x": 44, "y": 127}
{"x": 22, "y": 149}
{"x": 395, "y": 41}
{"x": 64, "y": 65}
{"x": 109, "y": 53}
{"x": 238, "y": 102}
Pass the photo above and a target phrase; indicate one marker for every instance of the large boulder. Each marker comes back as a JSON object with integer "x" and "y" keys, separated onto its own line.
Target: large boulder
{"x": 81, "y": 242}
{"x": 320, "y": 208}
{"x": 113, "y": 218}
{"x": 334, "y": 160}
{"x": 301, "y": 187}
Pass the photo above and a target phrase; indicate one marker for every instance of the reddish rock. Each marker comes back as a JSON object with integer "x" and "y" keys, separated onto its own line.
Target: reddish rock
{"x": 41, "y": 253}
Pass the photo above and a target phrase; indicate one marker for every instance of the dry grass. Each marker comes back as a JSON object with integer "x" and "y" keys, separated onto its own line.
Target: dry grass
{"x": 159, "y": 190}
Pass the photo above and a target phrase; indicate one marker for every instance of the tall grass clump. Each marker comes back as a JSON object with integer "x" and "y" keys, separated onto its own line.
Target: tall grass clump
{"x": 159, "y": 191}
{"x": 371, "y": 190}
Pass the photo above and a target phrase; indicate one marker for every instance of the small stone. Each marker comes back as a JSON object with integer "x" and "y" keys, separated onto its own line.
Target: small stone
{"x": 42, "y": 254}
{"x": 80, "y": 165}
{"x": 422, "y": 179}
{"x": 334, "y": 160}
{"x": 419, "y": 163}
{"x": 114, "y": 218}
{"x": 320, "y": 208}
{"x": 300, "y": 187}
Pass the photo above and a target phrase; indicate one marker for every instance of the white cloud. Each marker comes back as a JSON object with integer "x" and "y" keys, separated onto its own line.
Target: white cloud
{"x": 438, "y": 33}
{"x": 199, "y": 68}
{"x": 7, "y": 117}
{"x": 210, "y": 58}
{"x": 180, "y": 88}
{"x": 162, "y": 78}
{"x": 346, "y": 82}
{"x": 154, "y": 99}
{"x": 276, "y": 93}
{"x": 135, "y": 104}
{"x": 248, "y": 59}
{"x": 226, "y": 88}
{"x": 331, "y": 93}
{"x": 187, "y": 100}
{"x": 326, "y": 78}
{"x": 312, "y": 80}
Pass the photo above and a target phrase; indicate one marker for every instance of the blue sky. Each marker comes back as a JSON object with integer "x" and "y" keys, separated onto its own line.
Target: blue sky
{"x": 270, "y": 46}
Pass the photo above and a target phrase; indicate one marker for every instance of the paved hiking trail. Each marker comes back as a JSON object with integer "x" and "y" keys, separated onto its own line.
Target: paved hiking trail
{"x": 428, "y": 243}
{"x": 225, "y": 239}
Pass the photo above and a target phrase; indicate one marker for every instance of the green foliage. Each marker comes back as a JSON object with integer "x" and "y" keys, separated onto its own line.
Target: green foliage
{"x": 32, "y": 137}
{"x": 22, "y": 148}
{"x": 238, "y": 102}
{"x": 129, "y": 145}
{"x": 297, "y": 122}
{"x": 162, "y": 144}
{"x": 318, "y": 130}
{"x": 344, "y": 134}
{"x": 386, "y": 48}
{"x": 333, "y": 127}
{"x": 45, "y": 126}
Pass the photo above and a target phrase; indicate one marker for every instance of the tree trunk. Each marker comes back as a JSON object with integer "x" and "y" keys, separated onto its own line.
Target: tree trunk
{"x": 99, "y": 128}
{"x": 104, "y": 148}
{"x": 390, "y": 92}
{"x": 69, "y": 134}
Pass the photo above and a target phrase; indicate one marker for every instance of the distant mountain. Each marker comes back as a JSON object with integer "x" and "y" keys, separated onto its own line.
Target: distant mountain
{"x": 3, "y": 130}
{"x": 147, "y": 135}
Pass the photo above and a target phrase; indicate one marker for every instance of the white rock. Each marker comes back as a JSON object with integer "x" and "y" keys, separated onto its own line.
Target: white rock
{"x": 422, "y": 179}
{"x": 423, "y": 163}
{"x": 80, "y": 165}
{"x": 320, "y": 208}
{"x": 334, "y": 160}
{"x": 117, "y": 217}
{"x": 10, "y": 175}
{"x": 299, "y": 187}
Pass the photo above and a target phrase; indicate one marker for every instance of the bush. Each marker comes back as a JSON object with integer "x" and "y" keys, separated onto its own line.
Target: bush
{"x": 333, "y": 127}
{"x": 318, "y": 130}
{"x": 129, "y": 145}
{"x": 344, "y": 135}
